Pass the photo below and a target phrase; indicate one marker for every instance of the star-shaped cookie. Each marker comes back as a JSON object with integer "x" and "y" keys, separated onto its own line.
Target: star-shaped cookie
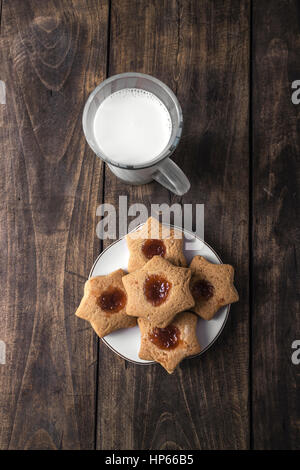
{"x": 104, "y": 304}
{"x": 158, "y": 291}
{"x": 211, "y": 286}
{"x": 155, "y": 239}
{"x": 169, "y": 345}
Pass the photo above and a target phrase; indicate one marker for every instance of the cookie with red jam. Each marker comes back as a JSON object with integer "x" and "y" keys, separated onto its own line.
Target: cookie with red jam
{"x": 158, "y": 291}
{"x": 155, "y": 239}
{"x": 211, "y": 286}
{"x": 169, "y": 345}
{"x": 104, "y": 304}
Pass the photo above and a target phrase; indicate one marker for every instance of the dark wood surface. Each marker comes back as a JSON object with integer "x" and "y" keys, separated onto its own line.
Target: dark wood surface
{"x": 231, "y": 64}
{"x": 276, "y": 215}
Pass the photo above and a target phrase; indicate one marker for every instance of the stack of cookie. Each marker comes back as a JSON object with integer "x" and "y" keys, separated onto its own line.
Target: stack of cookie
{"x": 160, "y": 292}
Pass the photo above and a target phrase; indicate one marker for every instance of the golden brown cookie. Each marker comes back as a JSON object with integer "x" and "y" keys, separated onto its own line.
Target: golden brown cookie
{"x": 211, "y": 286}
{"x": 104, "y": 304}
{"x": 155, "y": 239}
{"x": 158, "y": 291}
{"x": 169, "y": 345}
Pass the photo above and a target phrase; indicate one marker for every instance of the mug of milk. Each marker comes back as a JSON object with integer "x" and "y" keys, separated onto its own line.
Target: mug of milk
{"x": 133, "y": 122}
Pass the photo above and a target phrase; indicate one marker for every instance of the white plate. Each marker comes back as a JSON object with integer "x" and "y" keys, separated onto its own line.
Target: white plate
{"x": 126, "y": 342}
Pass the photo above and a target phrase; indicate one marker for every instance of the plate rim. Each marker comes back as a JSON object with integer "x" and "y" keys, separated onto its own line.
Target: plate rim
{"x": 149, "y": 363}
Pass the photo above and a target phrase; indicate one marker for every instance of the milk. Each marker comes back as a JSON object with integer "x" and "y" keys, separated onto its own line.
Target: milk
{"x": 132, "y": 126}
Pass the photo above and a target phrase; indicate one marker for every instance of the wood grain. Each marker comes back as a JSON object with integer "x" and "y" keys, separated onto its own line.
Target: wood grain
{"x": 52, "y": 55}
{"x": 201, "y": 50}
{"x": 59, "y": 388}
{"x": 276, "y": 147}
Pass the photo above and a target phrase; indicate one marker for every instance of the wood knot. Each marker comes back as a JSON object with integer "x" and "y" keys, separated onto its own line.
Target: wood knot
{"x": 40, "y": 440}
{"x": 46, "y": 23}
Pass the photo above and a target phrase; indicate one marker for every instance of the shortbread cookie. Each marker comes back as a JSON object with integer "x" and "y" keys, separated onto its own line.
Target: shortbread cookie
{"x": 211, "y": 286}
{"x": 155, "y": 239}
{"x": 104, "y": 304}
{"x": 158, "y": 291}
{"x": 169, "y": 345}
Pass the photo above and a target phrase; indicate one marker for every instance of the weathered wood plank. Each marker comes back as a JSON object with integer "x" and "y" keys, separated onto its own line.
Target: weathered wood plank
{"x": 276, "y": 147}
{"x": 201, "y": 50}
{"x": 52, "y": 55}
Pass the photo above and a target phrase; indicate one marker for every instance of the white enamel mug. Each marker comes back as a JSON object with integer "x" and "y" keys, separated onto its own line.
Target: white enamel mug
{"x": 162, "y": 168}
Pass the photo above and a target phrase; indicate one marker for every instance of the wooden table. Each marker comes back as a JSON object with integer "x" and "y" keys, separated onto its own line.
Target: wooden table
{"x": 231, "y": 63}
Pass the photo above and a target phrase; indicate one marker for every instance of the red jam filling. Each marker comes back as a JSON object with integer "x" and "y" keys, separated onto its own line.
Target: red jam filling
{"x": 153, "y": 247}
{"x": 165, "y": 338}
{"x": 156, "y": 289}
{"x": 202, "y": 290}
{"x": 112, "y": 300}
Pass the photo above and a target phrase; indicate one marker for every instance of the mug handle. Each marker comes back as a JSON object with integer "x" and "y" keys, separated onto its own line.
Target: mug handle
{"x": 169, "y": 175}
